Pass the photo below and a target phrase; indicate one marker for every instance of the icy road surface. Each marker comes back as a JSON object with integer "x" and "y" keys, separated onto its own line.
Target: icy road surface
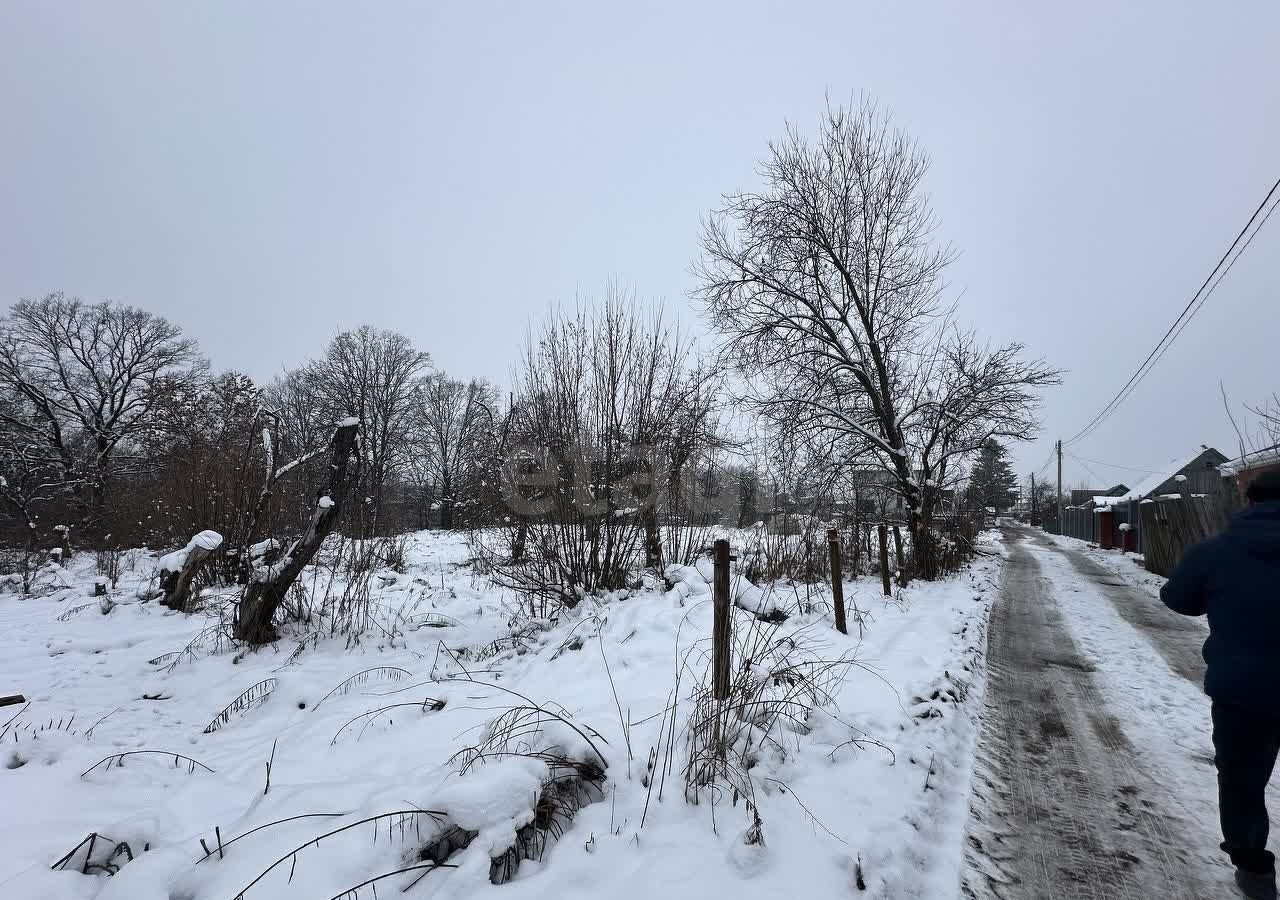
{"x": 1096, "y": 776}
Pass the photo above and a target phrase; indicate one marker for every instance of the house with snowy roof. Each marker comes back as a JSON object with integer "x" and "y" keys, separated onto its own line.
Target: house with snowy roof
{"x": 1193, "y": 474}
{"x": 1084, "y": 496}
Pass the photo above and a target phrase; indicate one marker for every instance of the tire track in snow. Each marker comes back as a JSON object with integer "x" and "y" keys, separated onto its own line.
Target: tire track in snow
{"x": 1178, "y": 638}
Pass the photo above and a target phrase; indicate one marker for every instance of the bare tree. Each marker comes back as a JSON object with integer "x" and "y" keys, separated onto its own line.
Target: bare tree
{"x": 454, "y": 425}
{"x": 968, "y": 395}
{"x": 84, "y": 385}
{"x": 300, "y": 407}
{"x": 206, "y": 467}
{"x": 827, "y": 286}
{"x": 371, "y": 374}
{"x": 1268, "y": 414}
{"x": 604, "y": 397}
{"x": 32, "y": 479}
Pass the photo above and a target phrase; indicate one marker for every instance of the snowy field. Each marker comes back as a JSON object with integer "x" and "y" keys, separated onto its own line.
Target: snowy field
{"x": 434, "y": 737}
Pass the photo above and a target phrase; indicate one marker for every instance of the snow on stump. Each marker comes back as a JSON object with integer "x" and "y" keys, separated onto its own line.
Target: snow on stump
{"x": 179, "y": 567}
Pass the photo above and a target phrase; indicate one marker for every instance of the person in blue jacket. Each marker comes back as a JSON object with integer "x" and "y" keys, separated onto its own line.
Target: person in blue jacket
{"x": 1234, "y": 578}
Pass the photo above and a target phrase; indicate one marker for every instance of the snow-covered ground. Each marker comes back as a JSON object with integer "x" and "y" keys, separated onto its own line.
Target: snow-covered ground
{"x": 1127, "y": 566}
{"x": 873, "y": 790}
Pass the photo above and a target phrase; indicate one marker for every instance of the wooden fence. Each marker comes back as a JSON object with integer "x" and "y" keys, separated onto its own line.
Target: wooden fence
{"x": 1169, "y": 527}
{"x": 1162, "y": 528}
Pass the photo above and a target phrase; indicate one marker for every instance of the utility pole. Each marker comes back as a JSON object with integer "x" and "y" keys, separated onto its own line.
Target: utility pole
{"x": 1059, "y": 486}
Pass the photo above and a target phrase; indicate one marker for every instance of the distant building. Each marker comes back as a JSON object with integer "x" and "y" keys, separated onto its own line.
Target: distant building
{"x": 1082, "y": 496}
{"x": 1194, "y": 474}
{"x": 872, "y": 493}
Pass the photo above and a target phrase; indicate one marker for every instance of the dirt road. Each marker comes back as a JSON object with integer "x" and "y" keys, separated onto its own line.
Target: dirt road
{"x": 1064, "y": 807}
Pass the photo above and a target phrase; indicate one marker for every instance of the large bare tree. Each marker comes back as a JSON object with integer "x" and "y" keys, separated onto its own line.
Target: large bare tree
{"x": 454, "y": 427}
{"x": 371, "y": 374}
{"x": 84, "y": 387}
{"x": 827, "y": 284}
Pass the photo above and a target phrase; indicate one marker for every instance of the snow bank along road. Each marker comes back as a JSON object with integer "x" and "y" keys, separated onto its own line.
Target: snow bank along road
{"x": 1095, "y": 777}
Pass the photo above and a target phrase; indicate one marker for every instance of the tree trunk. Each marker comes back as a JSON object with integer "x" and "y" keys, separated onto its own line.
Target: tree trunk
{"x": 652, "y": 537}
{"x": 884, "y": 559}
{"x": 519, "y": 540}
{"x": 446, "y": 504}
{"x": 176, "y": 582}
{"x": 267, "y": 590}
{"x": 903, "y": 577}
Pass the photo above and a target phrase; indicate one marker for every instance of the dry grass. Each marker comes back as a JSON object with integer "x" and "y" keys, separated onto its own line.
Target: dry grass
{"x": 117, "y": 760}
{"x": 380, "y": 673}
{"x": 254, "y": 696}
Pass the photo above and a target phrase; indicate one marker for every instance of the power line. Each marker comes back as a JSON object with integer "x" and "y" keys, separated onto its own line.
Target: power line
{"x": 1178, "y": 323}
{"x": 1187, "y": 321}
{"x": 1098, "y": 462}
{"x": 1082, "y": 462}
{"x": 1207, "y": 295}
{"x": 1220, "y": 277}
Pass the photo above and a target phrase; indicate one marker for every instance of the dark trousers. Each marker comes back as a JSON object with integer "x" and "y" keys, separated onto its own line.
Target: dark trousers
{"x": 1245, "y": 744}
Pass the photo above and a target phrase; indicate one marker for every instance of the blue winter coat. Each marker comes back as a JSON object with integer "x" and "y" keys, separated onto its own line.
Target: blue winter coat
{"x": 1235, "y": 578}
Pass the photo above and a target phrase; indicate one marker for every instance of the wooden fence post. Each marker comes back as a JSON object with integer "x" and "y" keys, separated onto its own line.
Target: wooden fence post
{"x": 720, "y": 621}
{"x": 903, "y": 577}
{"x": 837, "y": 580}
{"x": 884, "y": 559}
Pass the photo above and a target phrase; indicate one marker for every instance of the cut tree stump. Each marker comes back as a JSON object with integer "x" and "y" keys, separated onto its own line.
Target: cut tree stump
{"x": 267, "y": 589}
{"x": 177, "y": 569}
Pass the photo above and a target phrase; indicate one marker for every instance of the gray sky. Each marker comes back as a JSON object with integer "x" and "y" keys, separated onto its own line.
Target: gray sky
{"x": 266, "y": 174}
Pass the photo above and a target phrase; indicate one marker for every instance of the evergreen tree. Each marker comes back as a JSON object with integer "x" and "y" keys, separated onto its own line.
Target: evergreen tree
{"x": 992, "y": 483}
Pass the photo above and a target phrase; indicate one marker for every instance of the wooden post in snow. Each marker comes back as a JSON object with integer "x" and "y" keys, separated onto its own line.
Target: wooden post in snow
{"x": 903, "y": 577}
{"x": 884, "y": 559}
{"x": 837, "y": 580}
{"x": 720, "y": 621}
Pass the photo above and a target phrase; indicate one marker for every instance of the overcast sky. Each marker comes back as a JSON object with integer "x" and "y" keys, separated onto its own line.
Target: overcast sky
{"x": 267, "y": 174}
